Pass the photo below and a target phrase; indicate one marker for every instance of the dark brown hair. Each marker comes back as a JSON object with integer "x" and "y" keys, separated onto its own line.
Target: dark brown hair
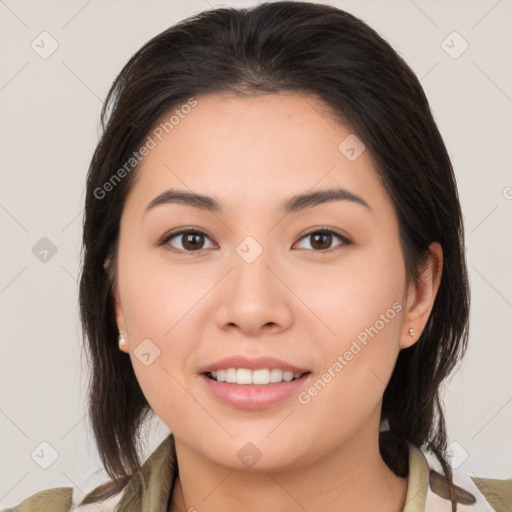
{"x": 273, "y": 47}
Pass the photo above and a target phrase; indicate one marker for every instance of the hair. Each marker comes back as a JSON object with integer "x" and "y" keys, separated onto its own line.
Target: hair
{"x": 309, "y": 49}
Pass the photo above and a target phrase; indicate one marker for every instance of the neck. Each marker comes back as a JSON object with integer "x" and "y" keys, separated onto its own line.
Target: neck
{"x": 351, "y": 477}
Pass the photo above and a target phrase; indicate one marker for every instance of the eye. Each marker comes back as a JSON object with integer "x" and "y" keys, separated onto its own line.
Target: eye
{"x": 192, "y": 240}
{"x": 322, "y": 239}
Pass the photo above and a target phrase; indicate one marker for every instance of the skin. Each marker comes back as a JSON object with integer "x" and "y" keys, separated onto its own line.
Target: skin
{"x": 292, "y": 302}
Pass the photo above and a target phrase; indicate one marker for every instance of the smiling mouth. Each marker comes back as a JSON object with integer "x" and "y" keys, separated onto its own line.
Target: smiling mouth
{"x": 261, "y": 377}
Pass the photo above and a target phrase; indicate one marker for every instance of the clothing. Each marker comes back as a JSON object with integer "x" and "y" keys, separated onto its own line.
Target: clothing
{"x": 150, "y": 489}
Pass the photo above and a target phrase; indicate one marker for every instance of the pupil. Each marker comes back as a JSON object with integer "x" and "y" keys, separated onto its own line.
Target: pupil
{"x": 325, "y": 235}
{"x": 193, "y": 245}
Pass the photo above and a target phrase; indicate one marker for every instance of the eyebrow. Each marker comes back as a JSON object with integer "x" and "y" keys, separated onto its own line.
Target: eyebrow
{"x": 294, "y": 204}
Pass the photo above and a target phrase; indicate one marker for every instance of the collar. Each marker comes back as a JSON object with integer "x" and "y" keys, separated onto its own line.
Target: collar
{"x": 150, "y": 489}
{"x": 417, "y": 487}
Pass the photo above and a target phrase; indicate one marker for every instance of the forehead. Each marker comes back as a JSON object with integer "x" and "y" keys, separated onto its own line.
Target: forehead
{"x": 253, "y": 150}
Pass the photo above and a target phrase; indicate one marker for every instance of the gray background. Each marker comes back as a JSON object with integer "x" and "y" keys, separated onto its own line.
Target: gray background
{"x": 49, "y": 110}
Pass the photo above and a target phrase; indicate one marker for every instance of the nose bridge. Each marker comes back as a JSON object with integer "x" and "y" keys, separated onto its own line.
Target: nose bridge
{"x": 254, "y": 296}
{"x": 251, "y": 262}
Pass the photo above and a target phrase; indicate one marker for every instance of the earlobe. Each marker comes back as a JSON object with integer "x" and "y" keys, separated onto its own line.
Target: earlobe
{"x": 121, "y": 342}
{"x": 119, "y": 320}
{"x": 420, "y": 298}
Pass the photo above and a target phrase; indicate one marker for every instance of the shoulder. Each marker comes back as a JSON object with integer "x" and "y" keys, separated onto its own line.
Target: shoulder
{"x": 63, "y": 499}
{"x": 58, "y": 499}
{"x": 151, "y": 484}
{"x": 473, "y": 493}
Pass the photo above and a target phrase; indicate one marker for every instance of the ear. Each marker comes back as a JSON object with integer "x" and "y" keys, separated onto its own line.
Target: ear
{"x": 420, "y": 299}
{"x": 120, "y": 318}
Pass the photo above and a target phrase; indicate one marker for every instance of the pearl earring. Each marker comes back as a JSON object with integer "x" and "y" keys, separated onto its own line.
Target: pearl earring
{"x": 121, "y": 341}
{"x": 412, "y": 332}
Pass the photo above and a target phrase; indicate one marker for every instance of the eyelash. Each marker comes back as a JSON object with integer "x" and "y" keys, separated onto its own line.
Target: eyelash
{"x": 324, "y": 230}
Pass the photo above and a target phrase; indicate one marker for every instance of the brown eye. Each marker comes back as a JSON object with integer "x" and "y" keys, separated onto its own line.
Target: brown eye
{"x": 192, "y": 240}
{"x": 322, "y": 239}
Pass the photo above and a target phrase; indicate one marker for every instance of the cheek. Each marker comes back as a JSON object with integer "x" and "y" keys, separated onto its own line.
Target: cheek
{"x": 161, "y": 302}
{"x": 157, "y": 307}
{"x": 349, "y": 298}
{"x": 157, "y": 296}
{"x": 359, "y": 305}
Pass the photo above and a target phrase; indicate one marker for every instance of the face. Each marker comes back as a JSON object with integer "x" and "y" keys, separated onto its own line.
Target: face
{"x": 319, "y": 287}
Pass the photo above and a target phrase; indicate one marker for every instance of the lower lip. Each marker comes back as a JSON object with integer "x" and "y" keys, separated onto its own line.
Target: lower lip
{"x": 244, "y": 396}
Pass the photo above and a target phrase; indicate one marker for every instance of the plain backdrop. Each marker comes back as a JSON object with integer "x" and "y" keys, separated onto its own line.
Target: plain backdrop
{"x": 49, "y": 112}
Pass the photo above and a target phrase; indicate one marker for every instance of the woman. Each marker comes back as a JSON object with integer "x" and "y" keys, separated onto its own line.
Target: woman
{"x": 274, "y": 266}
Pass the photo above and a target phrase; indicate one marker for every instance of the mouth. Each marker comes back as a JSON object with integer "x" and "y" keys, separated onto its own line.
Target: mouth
{"x": 257, "y": 389}
{"x": 259, "y": 377}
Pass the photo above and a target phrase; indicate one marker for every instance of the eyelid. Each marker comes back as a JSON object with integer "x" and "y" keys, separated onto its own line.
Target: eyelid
{"x": 346, "y": 240}
{"x": 182, "y": 231}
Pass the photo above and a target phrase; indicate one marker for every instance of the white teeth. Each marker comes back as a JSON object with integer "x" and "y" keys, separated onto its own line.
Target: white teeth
{"x": 261, "y": 377}
{"x": 231, "y": 375}
{"x": 243, "y": 376}
{"x": 276, "y": 375}
{"x": 287, "y": 376}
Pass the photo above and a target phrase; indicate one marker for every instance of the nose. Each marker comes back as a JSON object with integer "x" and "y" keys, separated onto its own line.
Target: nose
{"x": 254, "y": 298}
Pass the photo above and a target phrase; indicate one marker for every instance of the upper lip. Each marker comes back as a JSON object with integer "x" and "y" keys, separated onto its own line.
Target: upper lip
{"x": 251, "y": 363}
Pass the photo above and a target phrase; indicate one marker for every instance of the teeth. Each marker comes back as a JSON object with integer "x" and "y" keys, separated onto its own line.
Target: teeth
{"x": 261, "y": 377}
